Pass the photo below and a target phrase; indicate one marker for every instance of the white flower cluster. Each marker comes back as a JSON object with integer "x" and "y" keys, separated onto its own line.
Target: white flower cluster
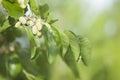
{"x": 34, "y": 23}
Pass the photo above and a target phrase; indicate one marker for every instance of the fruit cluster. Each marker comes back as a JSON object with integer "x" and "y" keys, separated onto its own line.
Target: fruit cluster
{"x": 34, "y": 23}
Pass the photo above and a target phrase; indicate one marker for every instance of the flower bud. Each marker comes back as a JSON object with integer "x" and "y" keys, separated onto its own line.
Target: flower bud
{"x": 22, "y": 20}
{"x": 30, "y": 23}
{"x": 12, "y": 48}
{"x": 22, "y": 5}
{"x": 21, "y": 2}
{"x": 33, "y": 19}
{"x": 38, "y": 20}
{"x": 34, "y": 30}
{"x": 39, "y": 26}
{"x": 39, "y": 33}
{"x": 17, "y": 24}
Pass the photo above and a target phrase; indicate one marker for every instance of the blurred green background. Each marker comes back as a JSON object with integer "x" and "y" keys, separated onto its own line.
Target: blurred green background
{"x": 99, "y": 20}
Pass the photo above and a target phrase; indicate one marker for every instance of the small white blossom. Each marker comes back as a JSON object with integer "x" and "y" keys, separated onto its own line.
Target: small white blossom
{"x": 22, "y": 20}
{"x": 30, "y": 23}
{"x": 17, "y": 24}
{"x": 34, "y": 30}
{"x": 39, "y": 26}
{"x": 39, "y": 33}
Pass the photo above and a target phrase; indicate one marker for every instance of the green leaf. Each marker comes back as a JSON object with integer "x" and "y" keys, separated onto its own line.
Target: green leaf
{"x": 71, "y": 62}
{"x": 50, "y": 20}
{"x": 34, "y": 6}
{"x": 56, "y": 36}
{"x": 4, "y": 26}
{"x": 65, "y": 43}
{"x": 14, "y": 10}
{"x": 43, "y": 9}
{"x": 44, "y": 66}
{"x": 33, "y": 52}
{"x": 32, "y": 42}
{"x": 11, "y": 33}
{"x": 74, "y": 44}
{"x": 13, "y": 64}
{"x": 29, "y": 75}
{"x": 51, "y": 40}
{"x": 53, "y": 21}
{"x": 85, "y": 49}
{"x": 12, "y": 21}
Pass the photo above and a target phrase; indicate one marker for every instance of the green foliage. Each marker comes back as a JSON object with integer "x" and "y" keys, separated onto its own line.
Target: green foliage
{"x": 6, "y": 25}
{"x": 73, "y": 43}
{"x": 71, "y": 62}
{"x": 13, "y": 9}
{"x": 32, "y": 42}
{"x": 13, "y": 64}
{"x": 45, "y": 42}
{"x": 43, "y": 9}
{"x": 84, "y": 49}
{"x": 34, "y": 6}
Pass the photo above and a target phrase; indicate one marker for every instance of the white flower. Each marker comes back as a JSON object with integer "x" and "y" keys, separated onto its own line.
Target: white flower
{"x": 34, "y": 30}
{"x": 30, "y": 23}
{"x": 17, "y": 24}
{"x": 39, "y": 26}
{"x": 39, "y": 33}
{"x": 22, "y": 20}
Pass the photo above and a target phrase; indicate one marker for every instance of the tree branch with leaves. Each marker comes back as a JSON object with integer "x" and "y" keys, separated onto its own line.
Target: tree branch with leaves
{"x": 27, "y": 19}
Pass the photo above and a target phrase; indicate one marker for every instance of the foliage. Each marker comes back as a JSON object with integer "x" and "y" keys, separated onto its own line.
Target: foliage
{"x": 102, "y": 29}
{"x": 28, "y": 20}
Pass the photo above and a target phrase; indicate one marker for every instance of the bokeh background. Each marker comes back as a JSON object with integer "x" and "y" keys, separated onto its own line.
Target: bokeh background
{"x": 99, "y": 20}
